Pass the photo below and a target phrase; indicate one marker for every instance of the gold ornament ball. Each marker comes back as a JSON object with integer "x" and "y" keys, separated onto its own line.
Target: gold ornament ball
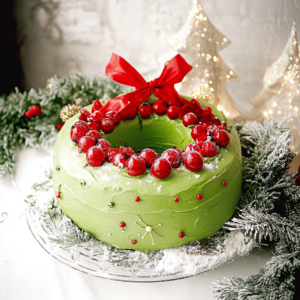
{"x": 68, "y": 112}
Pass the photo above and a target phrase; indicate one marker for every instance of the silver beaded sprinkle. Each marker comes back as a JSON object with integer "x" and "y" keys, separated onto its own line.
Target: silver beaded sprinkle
{"x": 82, "y": 182}
{"x": 111, "y": 204}
{"x": 57, "y": 168}
{"x": 123, "y": 230}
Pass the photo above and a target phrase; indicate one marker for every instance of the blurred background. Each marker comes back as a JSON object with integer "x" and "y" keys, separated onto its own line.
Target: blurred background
{"x": 41, "y": 38}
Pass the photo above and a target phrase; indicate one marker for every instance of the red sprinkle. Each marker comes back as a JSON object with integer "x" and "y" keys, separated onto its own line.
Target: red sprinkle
{"x": 181, "y": 235}
{"x": 199, "y": 197}
{"x": 176, "y": 200}
{"x": 133, "y": 242}
{"x": 58, "y": 194}
{"x": 137, "y": 199}
{"x": 224, "y": 183}
{"x": 122, "y": 224}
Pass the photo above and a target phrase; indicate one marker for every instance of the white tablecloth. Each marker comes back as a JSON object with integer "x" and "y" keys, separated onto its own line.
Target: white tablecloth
{"x": 28, "y": 272}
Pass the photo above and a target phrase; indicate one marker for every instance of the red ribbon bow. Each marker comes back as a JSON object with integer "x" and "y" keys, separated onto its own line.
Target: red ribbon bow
{"x": 162, "y": 87}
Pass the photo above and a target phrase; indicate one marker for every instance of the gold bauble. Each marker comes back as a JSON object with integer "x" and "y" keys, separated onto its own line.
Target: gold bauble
{"x": 203, "y": 92}
{"x": 68, "y": 112}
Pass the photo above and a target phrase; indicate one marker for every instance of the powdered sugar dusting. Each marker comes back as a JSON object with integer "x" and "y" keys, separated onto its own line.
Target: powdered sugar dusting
{"x": 209, "y": 167}
{"x": 159, "y": 188}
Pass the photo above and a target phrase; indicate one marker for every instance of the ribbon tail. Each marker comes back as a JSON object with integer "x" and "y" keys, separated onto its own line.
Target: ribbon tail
{"x": 169, "y": 94}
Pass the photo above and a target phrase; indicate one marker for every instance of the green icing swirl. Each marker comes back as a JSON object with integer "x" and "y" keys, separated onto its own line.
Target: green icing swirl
{"x": 87, "y": 205}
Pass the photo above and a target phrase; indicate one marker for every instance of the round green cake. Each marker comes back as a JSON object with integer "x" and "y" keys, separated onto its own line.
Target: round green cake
{"x": 99, "y": 199}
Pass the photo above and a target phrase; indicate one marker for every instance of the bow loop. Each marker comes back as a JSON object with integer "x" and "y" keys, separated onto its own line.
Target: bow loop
{"x": 162, "y": 87}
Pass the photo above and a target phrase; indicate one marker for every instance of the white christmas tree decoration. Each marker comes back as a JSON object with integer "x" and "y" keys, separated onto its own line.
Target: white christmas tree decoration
{"x": 199, "y": 42}
{"x": 280, "y": 95}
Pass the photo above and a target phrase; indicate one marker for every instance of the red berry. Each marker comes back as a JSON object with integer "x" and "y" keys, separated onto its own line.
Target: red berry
{"x": 222, "y": 127}
{"x": 115, "y": 116}
{"x": 94, "y": 134}
{"x": 181, "y": 235}
{"x": 81, "y": 123}
{"x": 84, "y": 114}
{"x": 95, "y": 156}
{"x": 97, "y": 116}
{"x": 209, "y": 149}
{"x": 126, "y": 151}
{"x": 111, "y": 153}
{"x": 207, "y": 126}
{"x": 59, "y": 127}
{"x": 136, "y": 166}
{"x": 58, "y": 195}
{"x": 119, "y": 161}
{"x": 133, "y": 242}
{"x": 173, "y": 156}
{"x": 224, "y": 123}
{"x": 176, "y": 200}
{"x": 96, "y": 105}
{"x": 149, "y": 156}
{"x": 161, "y": 168}
{"x": 178, "y": 150}
{"x": 137, "y": 199}
{"x": 122, "y": 224}
{"x": 103, "y": 145}
{"x": 107, "y": 125}
{"x": 190, "y": 119}
{"x": 77, "y": 132}
{"x": 132, "y": 115}
{"x": 197, "y": 131}
{"x": 201, "y": 139}
{"x": 85, "y": 143}
{"x": 93, "y": 125}
{"x": 35, "y": 110}
{"x": 172, "y": 112}
{"x": 193, "y": 161}
{"x": 145, "y": 110}
{"x": 28, "y": 114}
{"x": 216, "y": 122}
{"x": 192, "y": 147}
{"x": 224, "y": 183}
{"x": 199, "y": 197}
{"x": 221, "y": 137}
{"x": 159, "y": 107}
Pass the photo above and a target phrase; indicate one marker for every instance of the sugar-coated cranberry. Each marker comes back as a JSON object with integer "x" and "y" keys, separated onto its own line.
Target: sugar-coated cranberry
{"x": 201, "y": 139}
{"x": 178, "y": 150}
{"x": 173, "y": 156}
{"x": 145, "y": 110}
{"x": 84, "y": 114}
{"x": 149, "y": 156}
{"x": 159, "y": 107}
{"x": 221, "y": 137}
{"x": 181, "y": 235}
{"x": 207, "y": 126}
{"x": 111, "y": 153}
{"x": 136, "y": 166}
{"x": 209, "y": 149}
{"x": 97, "y": 105}
{"x": 122, "y": 224}
{"x": 133, "y": 242}
{"x": 115, "y": 116}
{"x": 161, "y": 168}
{"x": 59, "y": 127}
{"x": 85, "y": 143}
{"x": 189, "y": 119}
{"x": 172, "y": 112}
{"x": 192, "y": 147}
{"x": 197, "y": 131}
{"x": 119, "y": 161}
{"x": 193, "y": 161}
{"x": 97, "y": 116}
{"x": 132, "y": 115}
{"x": 126, "y": 151}
{"x": 95, "y": 156}
{"x": 77, "y": 132}
{"x": 94, "y": 134}
{"x": 216, "y": 122}
{"x": 107, "y": 125}
{"x": 103, "y": 144}
{"x": 81, "y": 123}
{"x": 35, "y": 110}
{"x": 94, "y": 126}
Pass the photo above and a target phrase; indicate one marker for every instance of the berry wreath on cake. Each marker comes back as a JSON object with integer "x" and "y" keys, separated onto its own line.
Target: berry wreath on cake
{"x": 150, "y": 169}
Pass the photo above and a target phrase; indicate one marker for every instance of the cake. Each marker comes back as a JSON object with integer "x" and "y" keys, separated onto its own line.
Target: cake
{"x": 133, "y": 199}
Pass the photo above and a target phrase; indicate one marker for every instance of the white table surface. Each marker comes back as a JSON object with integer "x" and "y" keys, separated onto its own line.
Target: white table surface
{"x": 28, "y": 272}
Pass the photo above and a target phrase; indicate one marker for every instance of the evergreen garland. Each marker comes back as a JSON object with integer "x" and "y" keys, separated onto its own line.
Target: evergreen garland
{"x": 269, "y": 210}
{"x": 40, "y": 131}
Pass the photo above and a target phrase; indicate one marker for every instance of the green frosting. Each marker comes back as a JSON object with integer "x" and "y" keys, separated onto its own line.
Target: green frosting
{"x": 98, "y": 199}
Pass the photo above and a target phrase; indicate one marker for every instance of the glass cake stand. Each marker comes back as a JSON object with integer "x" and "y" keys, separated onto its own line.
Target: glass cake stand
{"x": 98, "y": 259}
